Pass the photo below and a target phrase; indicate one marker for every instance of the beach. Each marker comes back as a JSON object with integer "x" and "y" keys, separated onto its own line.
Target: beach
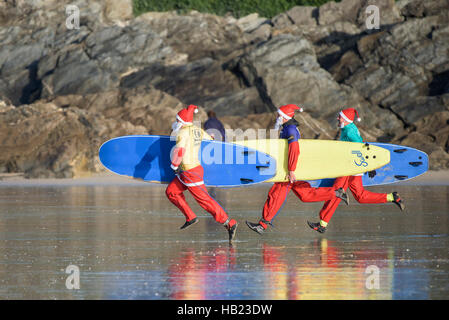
{"x": 434, "y": 178}
{"x": 122, "y": 237}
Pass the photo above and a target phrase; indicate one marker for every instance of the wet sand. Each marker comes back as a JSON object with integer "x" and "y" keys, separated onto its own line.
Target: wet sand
{"x": 124, "y": 237}
{"x": 107, "y": 178}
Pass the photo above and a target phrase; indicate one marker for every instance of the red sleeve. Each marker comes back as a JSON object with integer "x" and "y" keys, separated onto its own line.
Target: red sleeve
{"x": 177, "y": 155}
{"x": 293, "y": 154}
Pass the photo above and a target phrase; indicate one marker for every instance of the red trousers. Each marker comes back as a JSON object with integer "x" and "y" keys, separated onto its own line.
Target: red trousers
{"x": 192, "y": 180}
{"x": 278, "y": 194}
{"x": 360, "y": 194}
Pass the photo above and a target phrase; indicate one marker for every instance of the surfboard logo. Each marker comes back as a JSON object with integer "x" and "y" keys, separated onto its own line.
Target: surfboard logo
{"x": 361, "y": 158}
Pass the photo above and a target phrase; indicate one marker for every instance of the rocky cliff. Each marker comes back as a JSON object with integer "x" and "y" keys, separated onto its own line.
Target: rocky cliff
{"x": 65, "y": 91}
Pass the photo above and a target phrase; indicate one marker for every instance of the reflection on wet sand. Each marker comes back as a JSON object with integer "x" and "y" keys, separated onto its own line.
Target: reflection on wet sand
{"x": 197, "y": 276}
{"x": 127, "y": 243}
{"x": 325, "y": 275}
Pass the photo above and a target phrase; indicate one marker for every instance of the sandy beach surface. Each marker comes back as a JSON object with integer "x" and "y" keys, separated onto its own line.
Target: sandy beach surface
{"x": 123, "y": 236}
{"x": 433, "y": 178}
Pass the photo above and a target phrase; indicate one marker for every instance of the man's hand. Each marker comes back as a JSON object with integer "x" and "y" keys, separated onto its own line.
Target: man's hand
{"x": 291, "y": 176}
{"x": 177, "y": 169}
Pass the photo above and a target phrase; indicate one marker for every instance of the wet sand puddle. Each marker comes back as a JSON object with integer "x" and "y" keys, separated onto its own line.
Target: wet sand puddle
{"x": 126, "y": 242}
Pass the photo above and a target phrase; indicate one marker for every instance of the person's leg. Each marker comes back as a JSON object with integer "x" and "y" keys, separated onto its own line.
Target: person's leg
{"x": 330, "y": 206}
{"x": 213, "y": 207}
{"x": 362, "y": 195}
{"x": 306, "y": 193}
{"x": 174, "y": 193}
{"x": 195, "y": 184}
{"x": 276, "y": 198}
{"x": 209, "y": 204}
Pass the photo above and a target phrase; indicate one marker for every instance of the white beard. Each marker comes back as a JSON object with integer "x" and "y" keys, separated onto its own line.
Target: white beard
{"x": 176, "y": 126}
{"x": 278, "y": 123}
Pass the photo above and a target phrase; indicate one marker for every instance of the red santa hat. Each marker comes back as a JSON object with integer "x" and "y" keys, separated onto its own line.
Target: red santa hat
{"x": 349, "y": 114}
{"x": 185, "y": 116}
{"x": 288, "y": 111}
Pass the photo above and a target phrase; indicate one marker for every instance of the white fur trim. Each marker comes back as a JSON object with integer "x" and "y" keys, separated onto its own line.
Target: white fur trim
{"x": 182, "y": 121}
{"x": 195, "y": 184}
{"x": 283, "y": 115}
{"x": 173, "y": 167}
{"x": 345, "y": 117}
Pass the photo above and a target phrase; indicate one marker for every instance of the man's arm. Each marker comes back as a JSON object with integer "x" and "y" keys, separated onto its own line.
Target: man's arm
{"x": 293, "y": 153}
{"x": 178, "y": 152}
{"x": 206, "y": 135}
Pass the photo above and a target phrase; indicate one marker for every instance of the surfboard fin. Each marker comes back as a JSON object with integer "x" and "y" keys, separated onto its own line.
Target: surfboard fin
{"x": 263, "y": 166}
{"x": 401, "y": 177}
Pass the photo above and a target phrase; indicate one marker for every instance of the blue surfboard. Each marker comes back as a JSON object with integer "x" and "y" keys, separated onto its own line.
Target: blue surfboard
{"x": 148, "y": 158}
{"x": 405, "y": 163}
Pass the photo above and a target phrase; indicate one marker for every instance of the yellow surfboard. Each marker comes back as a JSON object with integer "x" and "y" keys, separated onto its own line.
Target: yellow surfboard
{"x": 321, "y": 159}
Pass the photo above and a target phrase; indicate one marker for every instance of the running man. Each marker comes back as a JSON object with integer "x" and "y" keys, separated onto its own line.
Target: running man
{"x": 189, "y": 173}
{"x": 279, "y": 191}
{"x": 350, "y": 132}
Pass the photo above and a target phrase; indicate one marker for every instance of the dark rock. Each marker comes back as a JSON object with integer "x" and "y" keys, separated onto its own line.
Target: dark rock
{"x": 418, "y": 9}
{"x": 439, "y": 84}
{"x": 369, "y": 43}
{"x": 346, "y": 10}
{"x": 47, "y": 140}
{"x": 250, "y": 23}
{"x": 196, "y": 34}
{"x": 242, "y": 103}
{"x": 346, "y": 66}
{"x": 389, "y": 13}
{"x": 64, "y": 92}
{"x": 380, "y": 86}
{"x": 412, "y": 111}
{"x": 75, "y": 73}
{"x": 203, "y": 82}
{"x": 303, "y": 15}
{"x": 284, "y": 69}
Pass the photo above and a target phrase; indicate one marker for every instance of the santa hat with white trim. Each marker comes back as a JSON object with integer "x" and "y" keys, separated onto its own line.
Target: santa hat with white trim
{"x": 185, "y": 116}
{"x": 288, "y": 111}
{"x": 349, "y": 115}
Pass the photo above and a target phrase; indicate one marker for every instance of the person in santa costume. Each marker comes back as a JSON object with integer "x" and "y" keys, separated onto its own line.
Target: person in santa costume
{"x": 350, "y": 132}
{"x": 189, "y": 173}
{"x": 278, "y": 193}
